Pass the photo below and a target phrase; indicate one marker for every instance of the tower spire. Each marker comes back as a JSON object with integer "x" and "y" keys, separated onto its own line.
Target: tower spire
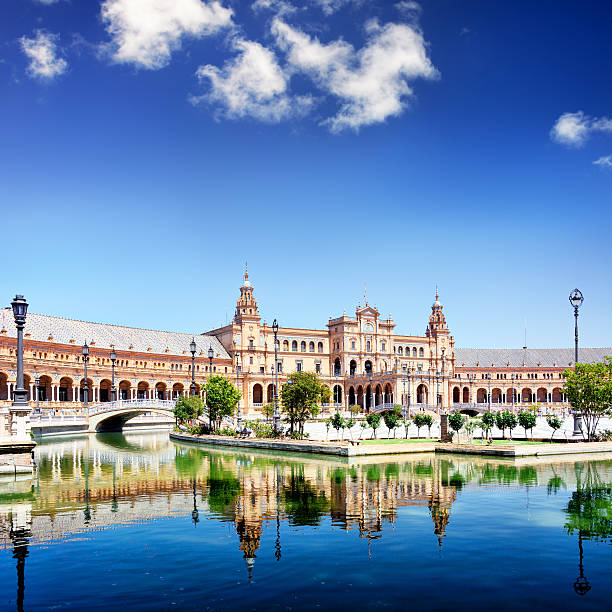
{"x": 246, "y": 270}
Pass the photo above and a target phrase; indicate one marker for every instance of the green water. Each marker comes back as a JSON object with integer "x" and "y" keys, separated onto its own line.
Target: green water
{"x": 137, "y": 521}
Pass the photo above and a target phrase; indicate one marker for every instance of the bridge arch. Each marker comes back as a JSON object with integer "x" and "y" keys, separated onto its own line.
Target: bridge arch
{"x": 114, "y": 420}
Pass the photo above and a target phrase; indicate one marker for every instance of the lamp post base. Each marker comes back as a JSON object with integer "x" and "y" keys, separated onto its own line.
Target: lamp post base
{"x": 577, "y": 424}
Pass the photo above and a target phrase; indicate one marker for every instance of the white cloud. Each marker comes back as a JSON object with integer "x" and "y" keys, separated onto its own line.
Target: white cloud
{"x": 409, "y": 8}
{"x": 252, "y": 84}
{"x": 279, "y": 7}
{"x": 331, "y": 6}
{"x": 604, "y": 162}
{"x": 574, "y": 129}
{"x": 47, "y": 1}
{"x": 371, "y": 82}
{"x": 145, "y": 32}
{"x": 42, "y": 51}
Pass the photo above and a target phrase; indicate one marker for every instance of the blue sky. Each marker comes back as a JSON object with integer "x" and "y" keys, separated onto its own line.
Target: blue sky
{"x": 150, "y": 148}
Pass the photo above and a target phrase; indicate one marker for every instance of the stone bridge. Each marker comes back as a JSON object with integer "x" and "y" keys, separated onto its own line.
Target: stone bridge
{"x": 106, "y": 416}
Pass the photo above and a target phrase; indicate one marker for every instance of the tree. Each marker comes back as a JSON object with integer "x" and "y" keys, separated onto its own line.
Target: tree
{"x": 300, "y": 397}
{"x": 554, "y": 422}
{"x": 221, "y": 399}
{"x": 589, "y": 390}
{"x": 188, "y": 408}
{"x": 527, "y": 420}
{"x": 419, "y": 421}
{"x": 268, "y": 411}
{"x": 406, "y": 421}
{"x": 337, "y": 422}
{"x": 500, "y": 421}
{"x": 488, "y": 420}
{"x": 456, "y": 420}
{"x": 373, "y": 421}
{"x": 325, "y": 394}
{"x": 355, "y": 409}
{"x": 510, "y": 421}
{"x": 327, "y": 426}
{"x": 391, "y": 419}
{"x": 428, "y": 422}
{"x": 349, "y": 424}
{"x": 363, "y": 425}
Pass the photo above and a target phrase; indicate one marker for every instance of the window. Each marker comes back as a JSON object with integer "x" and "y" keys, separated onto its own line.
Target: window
{"x": 311, "y": 347}
{"x": 383, "y": 347}
{"x": 279, "y": 367}
{"x": 368, "y": 346}
{"x": 421, "y": 352}
{"x": 399, "y": 350}
{"x": 294, "y": 345}
{"x": 285, "y": 345}
{"x": 318, "y": 368}
{"x": 320, "y": 347}
{"x": 414, "y": 354}
{"x": 261, "y": 370}
{"x": 251, "y": 343}
{"x": 298, "y": 366}
{"x": 352, "y": 344}
{"x": 303, "y": 346}
{"x": 250, "y": 360}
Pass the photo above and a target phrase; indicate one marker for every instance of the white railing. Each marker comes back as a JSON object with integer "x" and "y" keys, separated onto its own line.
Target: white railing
{"x": 130, "y": 404}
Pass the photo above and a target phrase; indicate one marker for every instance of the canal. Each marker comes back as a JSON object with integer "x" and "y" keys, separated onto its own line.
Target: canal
{"x": 138, "y": 522}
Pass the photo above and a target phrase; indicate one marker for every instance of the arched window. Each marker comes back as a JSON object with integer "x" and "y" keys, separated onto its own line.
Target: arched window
{"x": 303, "y": 346}
{"x": 413, "y": 351}
{"x": 285, "y": 345}
{"x": 311, "y": 347}
{"x": 337, "y": 367}
{"x": 368, "y": 367}
{"x": 421, "y": 352}
{"x": 320, "y": 347}
{"x": 352, "y": 367}
{"x": 368, "y": 346}
{"x": 337, "y": 394}
{"x": 294, "y": 345}
{"x": 399, "y": 350}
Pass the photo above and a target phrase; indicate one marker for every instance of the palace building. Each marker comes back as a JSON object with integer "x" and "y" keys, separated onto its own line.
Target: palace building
{"x": 360, "y": 358}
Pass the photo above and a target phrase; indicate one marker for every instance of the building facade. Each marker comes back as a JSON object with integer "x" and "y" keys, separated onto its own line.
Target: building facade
{"x": 360, "y": 358}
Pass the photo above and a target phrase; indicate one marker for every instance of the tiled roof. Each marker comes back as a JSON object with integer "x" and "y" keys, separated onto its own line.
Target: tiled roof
{"x": 561, "y": 357}
{"x": 40, "y": 327}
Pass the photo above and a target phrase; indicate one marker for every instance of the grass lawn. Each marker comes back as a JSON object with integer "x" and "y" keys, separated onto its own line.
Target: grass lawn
{"x": 397, "y": 441}
{"x": 496, "y": 442}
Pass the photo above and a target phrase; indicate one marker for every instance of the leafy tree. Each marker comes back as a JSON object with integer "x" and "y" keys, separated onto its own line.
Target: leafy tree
{"x": 300, "y": 397}
{"x": 355, "y": 409}
{"x": 268, "y": 411}
{"x": 223, "y": 487}
{"x": 325, "y": 394}
{"x": 420, "y": 421}
{"x": 589, "y": 390}
{"x": 488, "y": 420}
{"x": 391, "y": 419}
{"x": 428, "y": 422}
{"x": 327, "y": 426}
{"x": 188, "y": 408}
{"x": 527, "y": 420}
{"x": 456, "y": 420}
{"x": 337, "y": 422}
{"x": 500, "y": 421}
{"x": 349, "y": 424}
{"x": 406, "y": 422}
{"x": 510, "y": 421}
{"x": 363, "y": 425}
{"x": 304, "y": 504}
{"x": 221, "y": 399}
{"x": 373, "y": 421}
{"x": 554, "y": 422}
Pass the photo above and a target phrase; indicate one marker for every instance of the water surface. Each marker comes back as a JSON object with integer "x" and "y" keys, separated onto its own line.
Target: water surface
{"x": 137, "y": 521}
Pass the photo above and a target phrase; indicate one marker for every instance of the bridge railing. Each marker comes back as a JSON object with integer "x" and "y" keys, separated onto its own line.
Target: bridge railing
{"x": 129, "y": 404}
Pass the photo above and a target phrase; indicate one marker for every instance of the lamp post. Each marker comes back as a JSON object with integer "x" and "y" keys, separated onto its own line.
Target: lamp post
{"x": 513, "y": 390}
{"x": 443, "y": 383}
{"x": 438, "y": 391}
{"x": 20, "y": 310}
{"x": 113, "y": 358}
{"x": 85, "y": 385}
{"x": 192, "y": 350}
{"x": 489, "y": 393}
{"x": 211, "y": 354}
{"x": 408, "y": 375}
{"x": 238, "y": 387}
{"x": 276, "y": 418}
{"x": 37, "y": 383}
{"x": 576, "y": 298}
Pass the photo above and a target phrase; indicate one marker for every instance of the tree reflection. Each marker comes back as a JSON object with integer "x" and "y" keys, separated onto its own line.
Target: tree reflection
{"x": 303, "y": 503}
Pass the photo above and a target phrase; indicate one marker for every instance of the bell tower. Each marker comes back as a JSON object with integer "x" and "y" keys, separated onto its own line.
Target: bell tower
{"x": 246, "y": 306}
{"x": 437, "y": 321}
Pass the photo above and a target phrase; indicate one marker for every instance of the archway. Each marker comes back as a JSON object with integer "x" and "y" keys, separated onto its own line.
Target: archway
{"x": 456, "y": 395}
{"x": 360, "y": 397}
{"x": 481, "y": 396}
{"x": 177, "y": 390}
{"x": 557, "y": 395}
{"x": 368, "y": 367}
{"x": 422, "y": 394}
{"x": 388, "y": 397}
{"x": 351, "y": 396}
{"x": 542, "y": 395}
{"x": 90, "y": 396}
{"x": 4, "y": 388}
{"x": 378, "y": 395}
{"x": 526, "y": 395}
{"x": 44, "y": 388}
{"x": 352, "y": 367}
{"x": 66, "y": 390}
{"x": 496, "y": 396}
{"x": 337, "y": 367}
{"x": 466, "y": 395}
{"x": 257, "y": 395}
{"x": 160, "y": 390}
{"x": 105, "y": 390}
{"x": 368, "y": 397}
{"x": 142, "y": 391}
{"x": 270, "y": 394}
{"x": 337, "y": 394}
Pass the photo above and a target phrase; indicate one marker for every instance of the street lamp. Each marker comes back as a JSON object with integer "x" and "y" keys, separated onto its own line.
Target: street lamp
{"x": 37, "y": 383}
{"x": 85, "y": 385}
{"x": 276, "y": 418}
{"x": 513, "y": 390}
{"x": 20, "y": 310}
{"x": 113, "y": 358}
{"x": 576, "y": 298}
{"x": 238, "y": 387}
{"x": 409, "y": 392}
{"x": 192, "y": 349}
{"x": 489, "y": 394}
{"x": 437, "y": 391}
